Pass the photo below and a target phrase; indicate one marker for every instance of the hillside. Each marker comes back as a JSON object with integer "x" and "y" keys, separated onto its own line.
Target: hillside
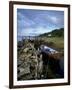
{"x": 54, "y": 33}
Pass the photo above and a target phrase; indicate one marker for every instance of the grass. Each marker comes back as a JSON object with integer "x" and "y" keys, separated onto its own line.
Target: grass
{"x": 57, "y": 42}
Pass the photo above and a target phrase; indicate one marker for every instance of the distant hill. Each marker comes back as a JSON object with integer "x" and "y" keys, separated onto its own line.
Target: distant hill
{"x": 54, "y": 33}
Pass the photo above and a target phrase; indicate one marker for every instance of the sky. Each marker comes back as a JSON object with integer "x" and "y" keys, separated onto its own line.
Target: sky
{"x": 35, "y": 22}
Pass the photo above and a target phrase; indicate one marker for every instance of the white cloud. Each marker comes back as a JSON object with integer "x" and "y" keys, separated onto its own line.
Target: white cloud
{"x": 54, "y": 19}
{"x": 24, "y": 21}
{"x": 32, "y": 32}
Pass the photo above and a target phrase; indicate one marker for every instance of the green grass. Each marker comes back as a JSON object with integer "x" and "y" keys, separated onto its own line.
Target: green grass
{"x": 58, "y": 42}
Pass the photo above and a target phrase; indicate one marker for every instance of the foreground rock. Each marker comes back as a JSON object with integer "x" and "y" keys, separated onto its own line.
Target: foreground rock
{"x": 28, "y": 62}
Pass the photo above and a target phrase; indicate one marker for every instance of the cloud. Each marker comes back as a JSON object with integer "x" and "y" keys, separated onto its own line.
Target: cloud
{"x": 23, "y": 21}
{"x": 54, "y": 19}
{"x": 34, "y": 22}
{"x": 33, "y": 32}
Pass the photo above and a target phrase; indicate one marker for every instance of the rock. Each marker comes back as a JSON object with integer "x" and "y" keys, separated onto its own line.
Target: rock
{"x": 25, "y": 50}
{"x": 19, "y": 62}
{"x": 30, "y": 62}
{"x": 23, "y": 71}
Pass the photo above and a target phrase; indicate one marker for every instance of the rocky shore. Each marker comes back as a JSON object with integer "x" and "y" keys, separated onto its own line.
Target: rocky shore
{"x": 31, "y": 63}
